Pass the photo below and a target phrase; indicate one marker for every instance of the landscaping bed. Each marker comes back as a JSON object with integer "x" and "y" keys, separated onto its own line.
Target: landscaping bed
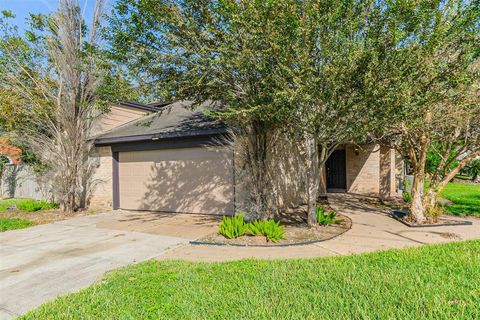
{"x": 429, "y": 282}
{"x": 457, "y": 199}
{"x": 295, "y": 234}
{"x": 401, "y": 216}
{"x": 30, "y": 211}
{"x": 283, "y": 228}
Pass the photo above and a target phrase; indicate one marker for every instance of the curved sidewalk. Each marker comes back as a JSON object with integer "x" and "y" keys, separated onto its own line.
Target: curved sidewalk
{"x": 372, "y": 230}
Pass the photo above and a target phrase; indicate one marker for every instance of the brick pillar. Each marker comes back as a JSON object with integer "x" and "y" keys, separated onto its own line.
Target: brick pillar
{"x": 101, "y": 195}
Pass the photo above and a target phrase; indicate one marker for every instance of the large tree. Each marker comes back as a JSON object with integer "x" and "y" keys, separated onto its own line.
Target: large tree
{"x": 334, "y": 50}
{"x": 52, "y": 72}
{"x": 274, "y": 65}
{"x": 223, "y": 51}
{"x": 427, "y": 69}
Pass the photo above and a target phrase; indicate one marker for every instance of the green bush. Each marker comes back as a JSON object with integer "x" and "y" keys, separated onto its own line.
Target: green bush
{"x": 32, "y": 205}
{"x": 271, "y": 229}
{"x": 26, "y": 205}
{"x": 325, "y": 218}
{"x": 407, "y": 197}
{"x": 233, "y": 227}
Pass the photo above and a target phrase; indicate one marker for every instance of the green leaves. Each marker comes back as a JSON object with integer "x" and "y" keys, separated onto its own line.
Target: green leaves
{"x": 271, "y": 229}
{"x": 326, "y": 218}
{"x": 235, "y": 226}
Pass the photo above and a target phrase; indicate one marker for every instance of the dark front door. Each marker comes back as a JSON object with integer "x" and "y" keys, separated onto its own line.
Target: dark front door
{"x": 336, "y": 172}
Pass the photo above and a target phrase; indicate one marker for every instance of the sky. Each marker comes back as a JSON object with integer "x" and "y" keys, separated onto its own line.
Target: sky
{"x": 22, "y": 8}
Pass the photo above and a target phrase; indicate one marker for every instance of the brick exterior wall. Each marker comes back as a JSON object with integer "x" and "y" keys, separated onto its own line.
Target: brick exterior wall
{"x": 387, "y": 173}
{"x": 102, "y": 179}
{"x": 372, "y": 170}
{"x": 363, "y": 169}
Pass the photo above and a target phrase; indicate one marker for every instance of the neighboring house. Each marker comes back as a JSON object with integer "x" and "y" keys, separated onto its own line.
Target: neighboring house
{"x": 11, "y": 152}
{"x": 174, "y": 161}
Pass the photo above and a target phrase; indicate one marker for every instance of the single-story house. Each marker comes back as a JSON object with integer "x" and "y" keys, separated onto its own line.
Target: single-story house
{"x": 168, "y": 157}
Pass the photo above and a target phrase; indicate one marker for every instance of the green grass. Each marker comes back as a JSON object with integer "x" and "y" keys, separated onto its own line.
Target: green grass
{"x": 27, "y": 205}
{"x": 14, "y": 223}
{"x": 432, "y": 282}
{"x": 465, "y": 198}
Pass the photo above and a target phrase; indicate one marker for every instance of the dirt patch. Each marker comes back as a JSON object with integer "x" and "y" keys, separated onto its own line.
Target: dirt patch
{"x": 450, "y": 235}
{"x": 295, "y": 233}
{"x": 44, "y": 216}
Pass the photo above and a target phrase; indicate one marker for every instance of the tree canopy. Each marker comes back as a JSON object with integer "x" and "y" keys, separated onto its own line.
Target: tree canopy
{"x": 333, "y": 72}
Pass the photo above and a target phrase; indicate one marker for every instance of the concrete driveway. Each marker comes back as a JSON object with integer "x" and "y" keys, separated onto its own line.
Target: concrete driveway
{"x": 41, "y": 263}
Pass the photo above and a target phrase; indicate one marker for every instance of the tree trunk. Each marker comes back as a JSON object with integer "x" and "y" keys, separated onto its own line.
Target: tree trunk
{"x": 417, "y": 210}
{"x": 322, "y": 158}
{"x": 430, "y": 199}
{"x": 313, "y": 177}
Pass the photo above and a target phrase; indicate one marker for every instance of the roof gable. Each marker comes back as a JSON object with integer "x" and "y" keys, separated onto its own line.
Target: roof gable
{"x": 178, "y": 119}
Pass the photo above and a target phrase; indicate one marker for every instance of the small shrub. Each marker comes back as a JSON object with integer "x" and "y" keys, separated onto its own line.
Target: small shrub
{"x": 271, "y": 229}
{"x": 327, "y": 218}
{"x": 407, "y": 197}
{"x": 32, "y": 205}
{"x": 233, "y": 227}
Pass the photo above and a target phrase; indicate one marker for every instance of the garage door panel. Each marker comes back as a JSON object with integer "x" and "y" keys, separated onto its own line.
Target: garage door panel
{"x": 197, "y": 180}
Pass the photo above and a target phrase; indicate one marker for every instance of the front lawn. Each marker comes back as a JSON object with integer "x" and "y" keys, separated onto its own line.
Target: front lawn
{"x": 434, "y": 282}
{"x": 27, "y": 205}
{"x": 14, "y": 223}
{"x": 465, "y": 198}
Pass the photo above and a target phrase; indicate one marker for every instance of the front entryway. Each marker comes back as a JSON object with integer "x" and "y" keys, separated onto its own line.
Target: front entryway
{"x": 336, "y": 172}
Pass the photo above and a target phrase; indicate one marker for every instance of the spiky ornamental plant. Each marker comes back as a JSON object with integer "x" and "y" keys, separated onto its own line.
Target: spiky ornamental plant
{"x": 54, "y": 72}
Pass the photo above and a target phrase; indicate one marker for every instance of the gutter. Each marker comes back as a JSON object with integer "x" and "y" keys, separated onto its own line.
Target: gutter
{"x": 158, "y": 136}
{"x": 140, "y": 106}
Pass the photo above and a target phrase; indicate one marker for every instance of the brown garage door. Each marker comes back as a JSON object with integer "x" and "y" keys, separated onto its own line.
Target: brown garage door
{"x": 194, "y": 180}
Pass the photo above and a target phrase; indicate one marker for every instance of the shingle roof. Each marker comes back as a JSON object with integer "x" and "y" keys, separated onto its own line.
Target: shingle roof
{"x": 174, "y": 120}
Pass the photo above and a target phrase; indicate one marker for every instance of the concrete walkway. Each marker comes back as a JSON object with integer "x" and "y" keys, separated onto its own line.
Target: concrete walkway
{"x": 372, "y": 230}
{"x": 40, "y": 263}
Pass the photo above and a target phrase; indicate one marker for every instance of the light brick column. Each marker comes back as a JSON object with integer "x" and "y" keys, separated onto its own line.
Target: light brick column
{"x": 101, "y": 195}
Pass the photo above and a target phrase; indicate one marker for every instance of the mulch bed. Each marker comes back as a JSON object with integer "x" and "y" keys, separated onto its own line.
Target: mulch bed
{"x": 402, "y": 216}
{"x": 297, "y": 231}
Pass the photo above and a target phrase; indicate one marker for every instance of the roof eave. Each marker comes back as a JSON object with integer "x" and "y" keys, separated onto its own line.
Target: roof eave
{"x": 143, "y": 107}
{"x": 158, "y": 136}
